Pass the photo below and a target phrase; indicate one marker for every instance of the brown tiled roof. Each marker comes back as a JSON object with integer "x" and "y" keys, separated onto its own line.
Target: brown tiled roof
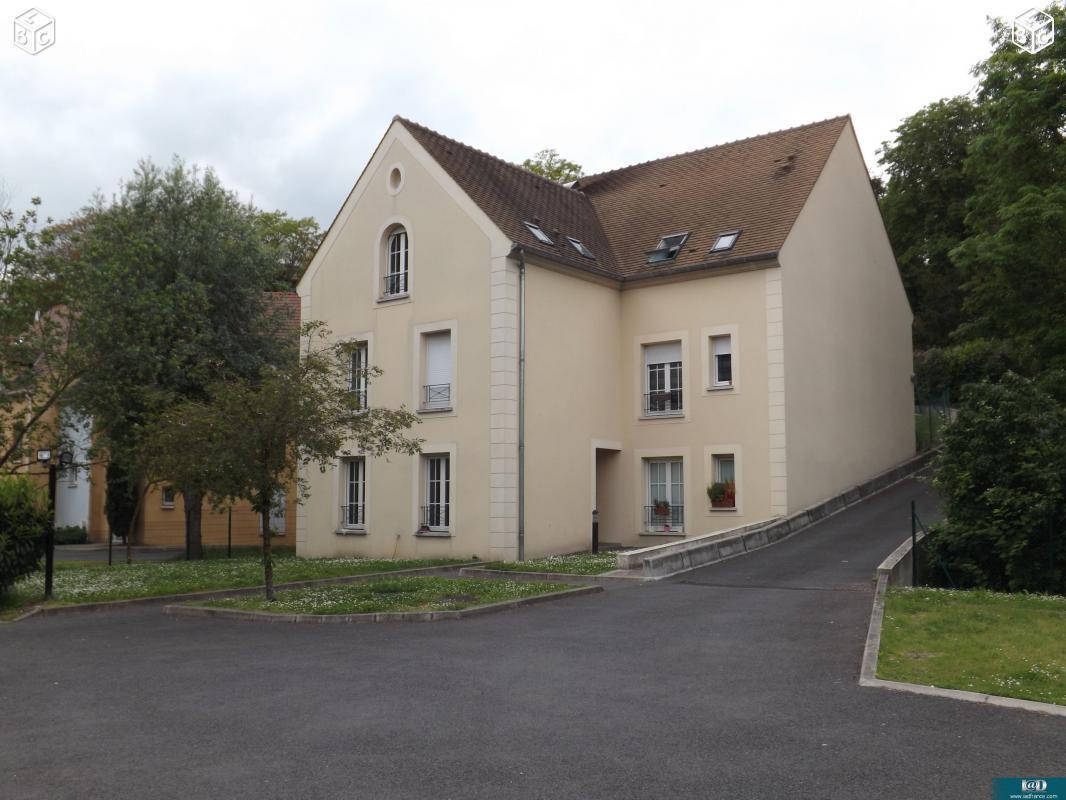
{"x": 757, "y": 185}
{"x": 287, "y": 306}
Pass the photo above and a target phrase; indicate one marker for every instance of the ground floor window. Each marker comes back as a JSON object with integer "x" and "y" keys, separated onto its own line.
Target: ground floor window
{"x": 436, "y": 513}
{"x": 664, "y": 511}
{"x": 277, "y": 514}
{"x": 723, "y": 491}
{"x": 353, "y": 509}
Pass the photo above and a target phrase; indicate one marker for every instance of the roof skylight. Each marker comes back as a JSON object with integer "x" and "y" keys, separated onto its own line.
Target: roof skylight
{"x": 540, "y": 235}
{"x": 725, "y": 241}
{"x": 580, "y": 247}
{"x": 668, "y": 248}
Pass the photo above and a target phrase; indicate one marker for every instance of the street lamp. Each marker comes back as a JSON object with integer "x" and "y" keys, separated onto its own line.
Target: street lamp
{"x": 44, "y": 456}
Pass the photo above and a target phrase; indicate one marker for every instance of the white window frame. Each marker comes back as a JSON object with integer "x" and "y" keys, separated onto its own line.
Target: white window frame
{"x": 437, "y": 480}
{"x": 281, "y": 498}
{"x": 673, "y": 379}
{"x": 356, "y": 488}
{"x": 397, "y": 263}
{"x": 451, "y": 327}
{"x": 731, "y": 236}
{"x": 673, "y": 490}
{"x": 716, "y": 379}
{"x": 357, "y": 367}
{"x": 163, "y": 501}
{"x": 707, "y": 335}
{"x": 711, "y": 454}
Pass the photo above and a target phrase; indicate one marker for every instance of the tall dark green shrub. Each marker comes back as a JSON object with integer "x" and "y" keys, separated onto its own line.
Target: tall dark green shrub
{"x": 24, "y": 521}
{"x": 120, "y": 504}
{"x": 1002, "y": 474}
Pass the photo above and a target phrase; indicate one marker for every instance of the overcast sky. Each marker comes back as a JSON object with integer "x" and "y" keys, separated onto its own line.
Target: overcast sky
{"x": 287, "y": 100}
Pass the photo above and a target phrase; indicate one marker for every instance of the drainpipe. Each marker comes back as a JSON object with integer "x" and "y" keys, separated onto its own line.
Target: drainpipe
{"x": 521, "y": 401}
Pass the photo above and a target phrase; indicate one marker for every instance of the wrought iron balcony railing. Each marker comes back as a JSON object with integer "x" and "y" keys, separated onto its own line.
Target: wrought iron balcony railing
{"x": 437, "y": 396}
{"x": 395, "y": 284}
{"x": 663, "y": 404}
{"x": 353, "y": 515}
{"x": 660, "y": 518}
{"x": 436, "y": 515}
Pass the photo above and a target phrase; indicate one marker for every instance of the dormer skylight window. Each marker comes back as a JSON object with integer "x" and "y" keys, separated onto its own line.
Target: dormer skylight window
{"x": 668, "y": 248}
{"x": 540, "y": 235}
{"x": 725, "y": 241}
{"x": 580, "y": 247}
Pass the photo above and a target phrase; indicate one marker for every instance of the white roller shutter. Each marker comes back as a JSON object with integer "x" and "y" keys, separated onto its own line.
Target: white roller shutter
{"x": 438, "y": 358}
{"x": 665, "y": 353}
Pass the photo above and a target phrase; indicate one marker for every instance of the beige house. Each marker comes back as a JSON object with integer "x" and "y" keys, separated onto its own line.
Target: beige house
{"x": 684, "y": 345}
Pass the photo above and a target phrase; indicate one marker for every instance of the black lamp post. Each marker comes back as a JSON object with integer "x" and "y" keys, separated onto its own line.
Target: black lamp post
{"x": 65, "y": 460}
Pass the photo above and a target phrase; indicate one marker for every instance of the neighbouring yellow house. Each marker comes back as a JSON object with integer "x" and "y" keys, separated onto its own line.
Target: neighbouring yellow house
{"x": 684, "y": 345}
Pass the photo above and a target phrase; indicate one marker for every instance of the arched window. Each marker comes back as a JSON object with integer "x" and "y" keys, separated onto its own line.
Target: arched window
{"x": 396, "y": 263}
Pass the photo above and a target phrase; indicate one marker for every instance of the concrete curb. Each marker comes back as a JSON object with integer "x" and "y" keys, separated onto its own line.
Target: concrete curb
{"x": 211, "y": 594}
{"x": 677, "y": 558}
{"x": 888, "y": 573}
{"x": 551, "y": 577}
{"x": 387, "y": 616}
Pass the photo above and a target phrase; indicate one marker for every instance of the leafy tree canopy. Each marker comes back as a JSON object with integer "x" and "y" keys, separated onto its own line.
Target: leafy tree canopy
{"x": 553, "y": 166}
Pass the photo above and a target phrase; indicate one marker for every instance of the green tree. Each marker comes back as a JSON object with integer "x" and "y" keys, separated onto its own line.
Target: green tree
{"x": 257, "y": 433}
{"x": 1002, "y": 474}
{"x": 292, "y": 242}
{"x": 169, "y": 288}
{"x": 924, "y": 208}
{"x": 38, "y": 363}
{"x": 1014, "y": 261}
{"x": 553, "y": 166}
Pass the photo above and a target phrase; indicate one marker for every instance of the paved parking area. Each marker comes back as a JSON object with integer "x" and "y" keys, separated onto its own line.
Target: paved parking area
{"x": 735, "y": 681}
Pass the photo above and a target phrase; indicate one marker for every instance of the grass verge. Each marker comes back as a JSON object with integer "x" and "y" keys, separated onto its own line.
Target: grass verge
{"x": 576, "y": 564}
{"x": 1012, "y": 645}
{"x": 90, "y": 582}
{"x": 414, "y": 593}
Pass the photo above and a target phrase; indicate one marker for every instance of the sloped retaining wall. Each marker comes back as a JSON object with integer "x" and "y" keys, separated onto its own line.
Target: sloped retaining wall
{"x": 674, "y": 557}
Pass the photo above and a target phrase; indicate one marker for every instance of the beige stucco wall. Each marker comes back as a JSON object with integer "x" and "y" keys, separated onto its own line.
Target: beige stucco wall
{"x": 573, "y": 391}
{"x": 451, "y": 252}
{"x": 586, "y": 438}
{"x": 723, "y": 421}
{"x": 847, "y": 338}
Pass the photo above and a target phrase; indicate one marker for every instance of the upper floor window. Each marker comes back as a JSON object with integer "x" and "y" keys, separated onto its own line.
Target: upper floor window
{"x": 663, "y": 380}
{"x": 437, "y": 373}
{"x": 725, "y": 241}
{"x": 668, "y": 248}
{"x": 396, "y": 266}
{"x": 722, "y": 360}
{"x": 166, "y": 499}
{"x": 357, "y": 375}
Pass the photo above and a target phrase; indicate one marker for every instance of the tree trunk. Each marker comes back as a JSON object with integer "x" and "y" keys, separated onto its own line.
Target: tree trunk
{"x": 268, "y": 561}
{"x": 194, "y": 503}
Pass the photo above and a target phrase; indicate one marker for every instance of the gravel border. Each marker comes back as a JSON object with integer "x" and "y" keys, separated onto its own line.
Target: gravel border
{"x": 211, "y": 594}
{"x": 868, "y": 674}
{"x": 383, "y": 616}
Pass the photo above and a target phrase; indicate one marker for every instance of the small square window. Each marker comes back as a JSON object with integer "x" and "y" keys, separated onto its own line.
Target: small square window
{"x": 167, "y": 499}
{"x": 540, "y": 235}
{"x": 580, "y": 247}
{"x": 668, "y": 248}
{"x": 725, "y": 241}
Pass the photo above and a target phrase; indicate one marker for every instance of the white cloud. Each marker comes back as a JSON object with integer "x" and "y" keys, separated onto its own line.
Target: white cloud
{"x": 288, "y": 100}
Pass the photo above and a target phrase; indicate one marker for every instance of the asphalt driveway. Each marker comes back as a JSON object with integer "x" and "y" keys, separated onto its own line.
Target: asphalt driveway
{"x": 735, "y": 681}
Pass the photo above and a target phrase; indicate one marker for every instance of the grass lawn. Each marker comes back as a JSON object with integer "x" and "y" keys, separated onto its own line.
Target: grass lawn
{"x": 577, "y": 564}
{"x": 90, "y": 582}
{"x": 414, "y": 593}
{"x": 1006, "y": 644}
